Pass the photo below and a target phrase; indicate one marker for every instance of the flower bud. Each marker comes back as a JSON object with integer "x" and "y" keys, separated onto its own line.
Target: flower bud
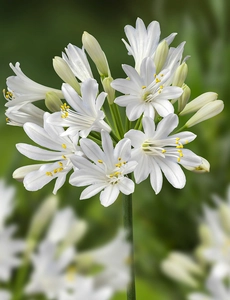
{"x": 180, "y": 75}
{"x": 183, "y": 100}
{"x": 206, "y": 112}
{"x": 65, "y": 73}
{"x": 20, "y": 173}
{"x": 53, "y": 102}
{"x": 94, "y": 50}
{"x": 205, "y": 235}
{"x": 224, "y": 213}
{"x": 40, "y": 220}
{"x": 199, "y": 102}
{"x": 106, "y": 82}
{"x": 161, "y": 55}
{"x": 178, "y": 273}
{"x": 202, "y": 168}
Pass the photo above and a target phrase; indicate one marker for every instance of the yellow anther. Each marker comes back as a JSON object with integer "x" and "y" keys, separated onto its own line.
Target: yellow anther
{"x": 179, "y": 146}
{"x": 63, "y": 156}
{"x": 178, "y": 159}
{"x": 186, "y": 141}
{"x": 161, "y": 87}
{"x": 155, "y": 75}
{"x": 63, "y": 146}
{"x": 60, "y": 163}
{"x": 162, "y": 75}
{"x": 100, "y": 161}
{"x": 49, "y": 174}
{"x": 158, "y": 80}
{"x": 163, "y": 151}
{"x": 119, "y": 158}
{"x": 143, "y": 87}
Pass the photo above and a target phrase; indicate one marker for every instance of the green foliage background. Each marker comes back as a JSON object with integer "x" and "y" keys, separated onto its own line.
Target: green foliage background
{"x": 33, "y": 32}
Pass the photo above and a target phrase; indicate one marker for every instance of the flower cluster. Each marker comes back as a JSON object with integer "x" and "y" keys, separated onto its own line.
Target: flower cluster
{"x": 84, "y": 134}
{"x": 210, "y": 262}
{"x": 56, "y": 269}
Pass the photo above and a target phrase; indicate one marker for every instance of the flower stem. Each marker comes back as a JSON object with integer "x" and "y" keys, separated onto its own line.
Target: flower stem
{"x": 128, "y": 224}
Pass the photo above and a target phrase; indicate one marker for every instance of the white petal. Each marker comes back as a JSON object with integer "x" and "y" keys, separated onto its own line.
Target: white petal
{"x": 92, "y": 190}
{"x": 156, "y": 177}
{"x": 126, "y": 186}
{"x": 109, "y": 195}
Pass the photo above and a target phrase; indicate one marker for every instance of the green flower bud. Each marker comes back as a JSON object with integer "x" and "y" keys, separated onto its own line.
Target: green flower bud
{"x": 180, "y": 75}
{"x": 53, "y": 102}
{"x": 161, "y": 55}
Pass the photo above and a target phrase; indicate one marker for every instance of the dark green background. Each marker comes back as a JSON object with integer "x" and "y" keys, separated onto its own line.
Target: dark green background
{"x": 33, "y": 32}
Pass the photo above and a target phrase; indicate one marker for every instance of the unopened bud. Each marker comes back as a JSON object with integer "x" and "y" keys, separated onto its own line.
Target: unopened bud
{"x": 205, "y": 235}
{"x": 40, "y": 220}
{"x": 94, "y": 50}
{"x": 224, "y": 212}
{"x": 186, "y": 262}
{"x": 202, "y": 168}
{"x": 161, "y": 55}
{"x": 174, "y": 271}
{"x": 183, "y": 100}
{"x": 53, "y": 102}
{"x": 180, "y": 75}
{"x": 106, "y": 82}
{"x": 199, "y": 102}
{"x": 206, "y": 112}
{"x": 65, "y": 73}
{"x": 20, "y": 173}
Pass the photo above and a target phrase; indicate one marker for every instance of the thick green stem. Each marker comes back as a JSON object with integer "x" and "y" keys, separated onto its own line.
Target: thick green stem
{"x": 128, "y": 224}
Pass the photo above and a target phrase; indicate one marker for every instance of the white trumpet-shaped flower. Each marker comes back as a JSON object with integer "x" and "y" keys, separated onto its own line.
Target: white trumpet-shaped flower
{"x": 78, "y": 62}
{"x": 23, "y": 89}
{"x": 143, "y": 42}
{"x": 62, "y": 148}
{"x": 156, "y": 152}
{"x": 87, "y": 115}
{"x": 19, "y": 114}
{"x": 146, "y": 92}
{"x": 104, "y": 171}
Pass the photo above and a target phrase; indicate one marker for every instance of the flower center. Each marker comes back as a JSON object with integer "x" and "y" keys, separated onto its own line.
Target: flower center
{"x": 164, "y": 148}
{"x": 8, "y": 95}
{"x": 116, "y": 174}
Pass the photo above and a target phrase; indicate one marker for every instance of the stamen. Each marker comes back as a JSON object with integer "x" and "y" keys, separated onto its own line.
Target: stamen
{"x": 100, "y": 161}
{"x": 63, "y": 146}
{"x": 143, "y": 87}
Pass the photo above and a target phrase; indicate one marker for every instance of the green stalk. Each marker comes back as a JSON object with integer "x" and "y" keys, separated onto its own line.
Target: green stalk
{"x": 128, "y": 225}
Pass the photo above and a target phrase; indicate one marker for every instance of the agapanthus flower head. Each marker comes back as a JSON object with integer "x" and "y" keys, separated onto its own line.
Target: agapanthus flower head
{"x": 86, "y": 114}
{"x": 104, "y": 170}
{"x": 156, "y": 151}
{"x": 23, "y": 89}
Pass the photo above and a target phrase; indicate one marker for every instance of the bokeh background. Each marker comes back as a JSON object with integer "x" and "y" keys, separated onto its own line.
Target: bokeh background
{"x": 33, "y": 32}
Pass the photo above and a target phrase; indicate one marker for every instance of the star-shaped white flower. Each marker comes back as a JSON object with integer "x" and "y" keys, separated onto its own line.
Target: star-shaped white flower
{"x": 146, "y": 92}
{"x": 10, "y": 248}
{"x": 23, "y": 89}
{"x": 144, "y": 41}
{"x": 156, "y": 152}
{"x": 61, "y": 150}
{"x": 104, "y": 171}
{"x": 48, "y": 269}
{"x": 87, "y": 115}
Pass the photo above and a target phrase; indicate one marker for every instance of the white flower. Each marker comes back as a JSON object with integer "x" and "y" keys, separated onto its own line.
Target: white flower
{"x": 47, "y": 275}
{"x": 87, "y": 114}
{"x": 62, "y": 148}
{"x": 24, "y": 112}
{"x": 156, "y": 152}
{"x": 9, "y": 250}
{"x": 113, "y": 257}
{"x": 78, "y": 62}
{"x": 104, "y": 170}
{"x": 217, "y": 251}
{"x": 143, "y": 41}
{"x": 82, "y": 287}
{"x": 217, "y": 290}
{"x": 6, "y": 203}
{"x": 65, "y": 227}
{"x": 146, "y": 92}
{"x": 23, "y": 89}
{"x": 5, "y": 295}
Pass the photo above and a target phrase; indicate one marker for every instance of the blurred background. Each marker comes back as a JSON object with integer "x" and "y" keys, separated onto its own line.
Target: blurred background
{"x": 33, "y": 32}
